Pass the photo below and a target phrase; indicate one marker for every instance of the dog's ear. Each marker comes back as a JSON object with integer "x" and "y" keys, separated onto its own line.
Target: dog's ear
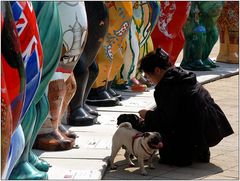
{"x": 157, "y": 133}
{"x": 121, "y": 118}
{"x": 146, "y": 134}
{"x": 136, "y": 118}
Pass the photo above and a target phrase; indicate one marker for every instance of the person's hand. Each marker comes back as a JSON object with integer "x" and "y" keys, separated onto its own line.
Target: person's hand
{"x": 142, "y": 113}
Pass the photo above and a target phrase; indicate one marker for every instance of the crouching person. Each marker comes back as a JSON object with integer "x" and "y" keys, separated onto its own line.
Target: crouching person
{"x": 185, "y": 115}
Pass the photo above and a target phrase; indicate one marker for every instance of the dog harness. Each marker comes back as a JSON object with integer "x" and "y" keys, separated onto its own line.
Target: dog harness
{"x": 133, "y": 139}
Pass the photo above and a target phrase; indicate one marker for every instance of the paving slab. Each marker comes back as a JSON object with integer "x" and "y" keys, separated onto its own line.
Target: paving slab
{"x": 75, "y": 153}
{"x": 107, "y": 122}
{"x": 75, "y": 168}
{"x": 128, "y": 105}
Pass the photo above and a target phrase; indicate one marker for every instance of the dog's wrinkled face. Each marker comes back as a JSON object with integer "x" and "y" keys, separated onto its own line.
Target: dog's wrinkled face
{"x": 153, "y": 139}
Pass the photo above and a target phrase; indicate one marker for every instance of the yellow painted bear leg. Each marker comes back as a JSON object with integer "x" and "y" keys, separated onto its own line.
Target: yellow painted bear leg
{"x": 104, "y": 66}
{"x": 143, "y": 83}
{"x": 98, "y": 96}
{"x": 120, "y": 14}
{"x": 116, "y": 66}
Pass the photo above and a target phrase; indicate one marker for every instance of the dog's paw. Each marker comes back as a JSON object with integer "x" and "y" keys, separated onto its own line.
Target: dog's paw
{"x": 144, "y": 173}
{"x": 151, "y": 166}
{"x": 114, "y": 167}
{"x": 131, "y": 165}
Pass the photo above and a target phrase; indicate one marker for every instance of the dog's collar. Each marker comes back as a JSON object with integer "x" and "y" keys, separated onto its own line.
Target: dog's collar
{"x": 133, "y": 139}
{"x": 139, "y": 134}
{"x": 150, "y": 154}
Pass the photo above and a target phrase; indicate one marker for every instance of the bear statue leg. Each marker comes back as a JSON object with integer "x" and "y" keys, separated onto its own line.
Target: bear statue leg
{"x": 177, "y": 47}
{"x": 118, "y": 26}
{"x": 38, "y": 111}
{"x": 93, "y": 73}
{"x": 98, "y": 95}
{"x": 70, "y": 91}
{"x": 211, "y": 39}
{"x": 24, "y": 169}
{"x": 192, "y": 54}
{"x": 54, "y": 139}
{"x": 116, "y": 66}
{"x": 224, "y": 49}
{"x": 78, "y": 116}
{"x": 113, "y": 92}
{"x": 233, "y": 56}
{"x": 98, "y": 21}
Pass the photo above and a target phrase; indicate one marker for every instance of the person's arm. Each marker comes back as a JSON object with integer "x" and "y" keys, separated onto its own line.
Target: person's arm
{"x": 151, "y": 119}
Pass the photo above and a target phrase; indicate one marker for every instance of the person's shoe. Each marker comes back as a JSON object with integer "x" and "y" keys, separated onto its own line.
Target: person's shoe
{"x": 165, "y": 161}
{"x": 183, "y": 163}
{"x": 204, "y": 157}
{"x": 178, "y": 163}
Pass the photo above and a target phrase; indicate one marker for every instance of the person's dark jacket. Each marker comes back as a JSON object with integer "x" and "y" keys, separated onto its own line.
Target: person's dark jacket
{"x": 186, "y": 116}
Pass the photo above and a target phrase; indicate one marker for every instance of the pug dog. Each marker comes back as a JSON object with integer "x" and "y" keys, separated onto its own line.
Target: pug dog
{"x": 141, "y": 145}
{"x": 135, "y": 121}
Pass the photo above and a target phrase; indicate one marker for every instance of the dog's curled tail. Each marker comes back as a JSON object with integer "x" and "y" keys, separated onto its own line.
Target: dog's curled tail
{"x": 125, "y": 125}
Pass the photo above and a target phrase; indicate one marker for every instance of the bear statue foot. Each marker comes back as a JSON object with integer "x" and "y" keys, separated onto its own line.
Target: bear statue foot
{"x": 80, "y": 117}
{"x": 210, "y": 62}
{"x": 120, "y": 86}
{"x": 38, "y": 163}
{"x": 195, "y": 65}
{"x": 90, "y": 110}
{"x": 53, "y": 141}
{"x": 26, "y": 171}
{"x": 104, "y": 102}
{"x": 100, "y": 97}
{"x": 68, "y": 133}
{"x": 114, "y": 94}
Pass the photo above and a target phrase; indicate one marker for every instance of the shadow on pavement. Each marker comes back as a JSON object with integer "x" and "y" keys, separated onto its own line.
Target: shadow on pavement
{"x": 161, "y": 171}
